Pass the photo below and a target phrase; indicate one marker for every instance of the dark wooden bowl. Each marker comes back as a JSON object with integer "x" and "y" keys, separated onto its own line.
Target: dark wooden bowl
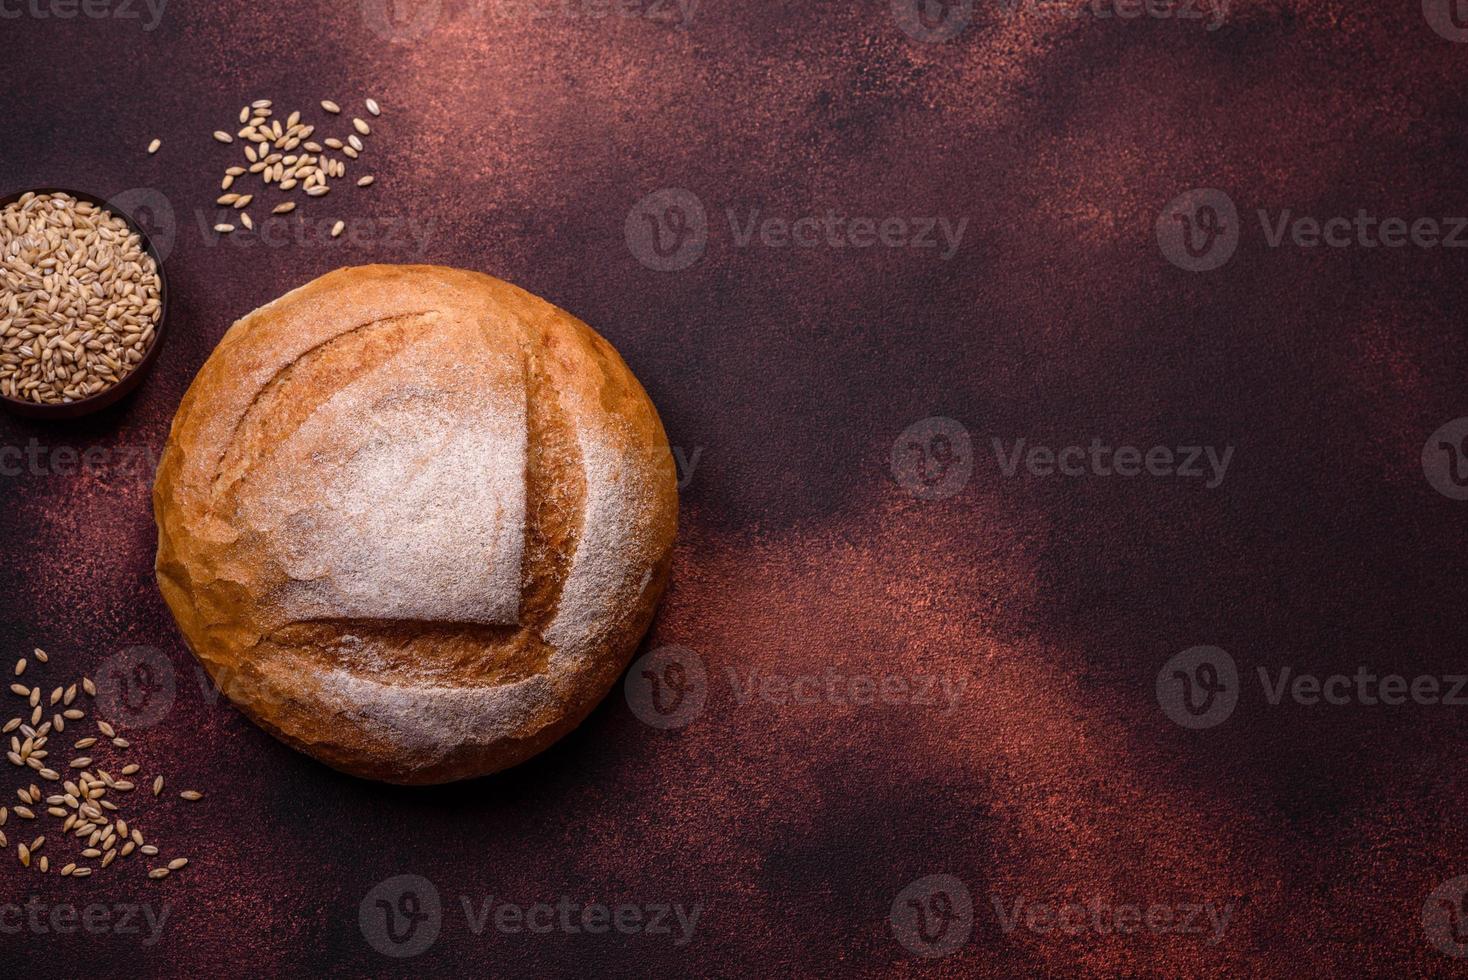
{"x": 114, "y": 394}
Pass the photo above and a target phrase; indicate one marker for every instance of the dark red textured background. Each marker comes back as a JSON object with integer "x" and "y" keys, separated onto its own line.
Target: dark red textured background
{"x": 522, "y": 142}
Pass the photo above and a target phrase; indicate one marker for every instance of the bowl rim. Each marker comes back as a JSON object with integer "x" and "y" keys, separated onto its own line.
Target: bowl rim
{"x": 115, "y": 393}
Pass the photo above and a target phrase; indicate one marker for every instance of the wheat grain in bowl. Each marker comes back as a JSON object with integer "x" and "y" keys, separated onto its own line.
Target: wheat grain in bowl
{"x": 81, "y": 299}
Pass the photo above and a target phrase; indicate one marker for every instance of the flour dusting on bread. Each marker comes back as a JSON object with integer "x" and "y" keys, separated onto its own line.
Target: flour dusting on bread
{"x": 431, "y": 721}
{"x": 403, "y": 495}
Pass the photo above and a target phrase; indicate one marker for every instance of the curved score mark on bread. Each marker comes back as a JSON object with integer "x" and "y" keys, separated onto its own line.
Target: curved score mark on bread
{"x": 392, "y": 646}
{"x": 259, "y": 414}
{"x": 555, "y": 498}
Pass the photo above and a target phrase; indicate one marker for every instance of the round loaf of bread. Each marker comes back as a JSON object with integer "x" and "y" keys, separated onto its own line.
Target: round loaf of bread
{"x": 413, "y": 521}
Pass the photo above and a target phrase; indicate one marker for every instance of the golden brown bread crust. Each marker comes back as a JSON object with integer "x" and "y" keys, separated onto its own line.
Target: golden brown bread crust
{"x": 414, "y": 520}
